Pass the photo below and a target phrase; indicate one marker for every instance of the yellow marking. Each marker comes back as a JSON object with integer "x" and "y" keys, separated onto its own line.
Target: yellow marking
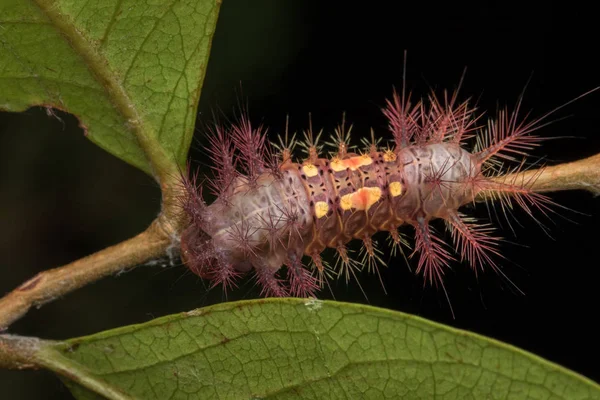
{"x": 346, "y": 202}
{"x": 321, "y": 209}
{"x": 395, "y": 189}
{"x": 362, "y": 199}
{"x": 310, "y": 170}
{"x": 337, "y": 164}
{"x": 389, "y": 156}
{"x": 352, "y": 163}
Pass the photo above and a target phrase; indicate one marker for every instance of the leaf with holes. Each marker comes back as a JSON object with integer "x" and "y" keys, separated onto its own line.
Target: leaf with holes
{"x": 130, "y": 70}
{"x": 304, "y": 349}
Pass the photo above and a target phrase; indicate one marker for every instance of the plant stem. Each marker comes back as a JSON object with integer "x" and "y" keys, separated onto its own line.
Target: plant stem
{"x": 18, "y": 352}
{"x": 577, "y": 175}
{"x": 54, "y": 283}
{"x": 161, "y": 163}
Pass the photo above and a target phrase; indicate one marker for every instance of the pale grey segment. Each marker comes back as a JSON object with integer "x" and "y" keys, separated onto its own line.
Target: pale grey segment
{"x": 436, "y": 177}
{"x": 261, "y": 219}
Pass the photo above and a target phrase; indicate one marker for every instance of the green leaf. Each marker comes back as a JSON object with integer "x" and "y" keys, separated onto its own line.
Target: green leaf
{"x": 130, "y": 70}
{"x": 293, "y": 348}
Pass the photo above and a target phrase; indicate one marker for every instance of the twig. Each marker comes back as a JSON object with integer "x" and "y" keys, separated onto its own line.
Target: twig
{"x": 54, "y": 283}
{"x": 148, "y": 245}
{"x": 578, "y": 175}
{"x": 18, "y": 352}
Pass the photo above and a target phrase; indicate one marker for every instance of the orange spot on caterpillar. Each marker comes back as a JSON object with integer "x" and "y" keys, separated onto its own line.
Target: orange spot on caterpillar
{"x": 362, "y": 199}
{"x": 352, "y": 163}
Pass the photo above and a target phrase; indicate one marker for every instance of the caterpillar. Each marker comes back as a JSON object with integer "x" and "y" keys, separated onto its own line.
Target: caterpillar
{"x": 272, "y": 212}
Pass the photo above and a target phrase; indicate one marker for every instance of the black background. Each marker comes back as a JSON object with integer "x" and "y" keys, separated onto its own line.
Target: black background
{"x": 63, "y": 198}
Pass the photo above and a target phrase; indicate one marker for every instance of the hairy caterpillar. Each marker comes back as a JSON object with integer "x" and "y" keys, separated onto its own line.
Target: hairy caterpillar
{"x": 272, "y": 212}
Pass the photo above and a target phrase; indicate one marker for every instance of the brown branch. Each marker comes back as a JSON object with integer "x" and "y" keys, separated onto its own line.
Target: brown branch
{"x": 54, "y": 283}
{"x": 148, "y": 245}
{"x": 18, "y": 352}
{"x": 577, "y": 175}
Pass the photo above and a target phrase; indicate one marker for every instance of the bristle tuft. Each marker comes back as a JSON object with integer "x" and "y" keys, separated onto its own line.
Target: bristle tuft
{"x": 271, "y": 285}
{"x": 225, "y": 275}
{"x": 221, "y": 152}
{"x": 402, "y": 119}
{"x": 473, "y": 242}
{"x": 434, "y": 259}
{"x": 251, "y": 144}
{"x": 302, "y": 282}
{"x": 191, "y": 201}
{"x": 310, "y": 145}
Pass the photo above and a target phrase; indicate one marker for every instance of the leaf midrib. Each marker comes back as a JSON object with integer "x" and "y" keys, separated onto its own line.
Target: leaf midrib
{"x": 100, "y": 69}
